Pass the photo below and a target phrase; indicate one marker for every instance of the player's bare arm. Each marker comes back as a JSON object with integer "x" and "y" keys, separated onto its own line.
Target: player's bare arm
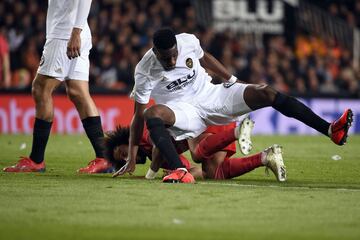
{"x": 157, "y": 159}
{"x": 74, "y": 44}
{"x": 209, "y": 62}
{"x": 136, "y": 131}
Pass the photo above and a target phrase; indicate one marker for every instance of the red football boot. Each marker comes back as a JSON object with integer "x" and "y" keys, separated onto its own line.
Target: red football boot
{"x": 340, "y": 127}
{"x": 180, "y": 175}
{"x": 25, "y": 164}
{"x": 98, "y": 165}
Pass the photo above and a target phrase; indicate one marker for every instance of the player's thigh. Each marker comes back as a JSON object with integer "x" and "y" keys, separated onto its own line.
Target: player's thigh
{"x": 44, "y": 85}
{"x": 54, "y": 62}
{"x": 188, "y": 121}
{"x": 225, "y": 105}
{"x": 79, "y": 66}
{"x": 210, "y": 166}
{"x": 160, "y": 111}
{"x": 259, "y": 96}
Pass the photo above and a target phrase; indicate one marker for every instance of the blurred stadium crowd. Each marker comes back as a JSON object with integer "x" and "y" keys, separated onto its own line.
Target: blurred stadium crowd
{"x": 122, "y": 32}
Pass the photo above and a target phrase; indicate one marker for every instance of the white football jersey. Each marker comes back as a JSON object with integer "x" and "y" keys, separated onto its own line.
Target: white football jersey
{"x": 63, "y": 15}
{"x": 188, "y": 80}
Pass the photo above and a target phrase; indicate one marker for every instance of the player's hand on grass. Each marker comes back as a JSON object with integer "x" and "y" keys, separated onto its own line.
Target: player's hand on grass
{"x": 129, "y": 167}
{"x": 74, "y": 44}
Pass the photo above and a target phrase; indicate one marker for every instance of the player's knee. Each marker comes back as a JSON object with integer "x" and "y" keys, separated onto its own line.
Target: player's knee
{"x": 75, "y": 95}
{"x": 266, "y": 94}
{"x": 152, "y": 112}
{"x": 154, "y": 123}
{"x": 38, "y": 91}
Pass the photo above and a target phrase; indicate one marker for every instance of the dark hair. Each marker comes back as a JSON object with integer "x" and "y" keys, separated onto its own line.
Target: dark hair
{"x": 164, "y": 38}
{"x": 113, "y": 139}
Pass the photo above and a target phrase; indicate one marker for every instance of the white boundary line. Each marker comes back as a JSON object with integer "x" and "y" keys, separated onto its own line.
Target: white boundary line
{"x": 276, "y": 186}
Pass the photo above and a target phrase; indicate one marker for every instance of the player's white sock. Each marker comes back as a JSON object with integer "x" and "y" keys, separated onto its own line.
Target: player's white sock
{"x": 150, "y": 174}
{"x": 264, "y": 160}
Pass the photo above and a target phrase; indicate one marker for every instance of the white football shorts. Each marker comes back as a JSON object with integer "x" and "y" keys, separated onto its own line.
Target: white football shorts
{"x": 55, "y": 63}
{"x": 220, "y": 107}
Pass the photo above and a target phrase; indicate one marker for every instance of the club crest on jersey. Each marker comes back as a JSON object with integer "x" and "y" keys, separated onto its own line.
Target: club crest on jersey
{"x": 189, "y": 62}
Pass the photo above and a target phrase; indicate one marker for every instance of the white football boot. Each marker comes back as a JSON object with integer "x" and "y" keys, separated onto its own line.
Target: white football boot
{"x": 244, "y": 135}
{"x": 273, "y": 160}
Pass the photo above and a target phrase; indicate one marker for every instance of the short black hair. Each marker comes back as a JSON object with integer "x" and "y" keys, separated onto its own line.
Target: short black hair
{"x": 164, "y": 38}
{"x": 113, "y": 139}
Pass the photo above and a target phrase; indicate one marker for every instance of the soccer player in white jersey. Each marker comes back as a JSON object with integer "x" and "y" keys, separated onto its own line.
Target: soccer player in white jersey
{"x": 65, "y": 58}
{"x": 173, "y": 74}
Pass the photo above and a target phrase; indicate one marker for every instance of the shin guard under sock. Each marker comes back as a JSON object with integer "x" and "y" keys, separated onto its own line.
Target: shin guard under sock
{"x": 41, "y": 134}
{"x": 161, "y": 138}
{"x": 93, "y": 129}
{"x": 291, "y": 107}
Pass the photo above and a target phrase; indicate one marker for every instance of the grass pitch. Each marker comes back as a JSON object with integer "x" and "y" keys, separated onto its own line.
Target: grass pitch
{"x": 320, "y": 200}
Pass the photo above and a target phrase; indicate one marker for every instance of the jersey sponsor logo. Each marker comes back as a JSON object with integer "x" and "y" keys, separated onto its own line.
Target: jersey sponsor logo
{"x": 189, "y": 63}
{"x": 181, "y": 82}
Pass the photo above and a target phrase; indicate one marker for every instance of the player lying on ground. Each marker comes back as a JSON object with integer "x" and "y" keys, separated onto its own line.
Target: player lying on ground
{"x": 173, "y": 74}
{"x": 99, "y": 166}
{"x": 214, "y": 150}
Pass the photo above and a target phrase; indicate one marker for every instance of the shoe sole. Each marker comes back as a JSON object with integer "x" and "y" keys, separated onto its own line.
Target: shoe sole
{"x": 349, "y": 120}
{"x": 171, "y": 181}
{"x": 175, "y": 181}
{"x": 37, "y": 171}
{"x": 243, "y": 139}
{"x": 277, "y": 149}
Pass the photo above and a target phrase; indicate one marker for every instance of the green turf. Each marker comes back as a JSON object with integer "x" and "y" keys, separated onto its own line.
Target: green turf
{"x": 321, "y": 199}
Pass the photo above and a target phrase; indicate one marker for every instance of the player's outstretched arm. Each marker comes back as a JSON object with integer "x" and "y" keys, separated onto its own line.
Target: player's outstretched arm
{"x": 156, "y": 163}
{"x": 136, "y": 131}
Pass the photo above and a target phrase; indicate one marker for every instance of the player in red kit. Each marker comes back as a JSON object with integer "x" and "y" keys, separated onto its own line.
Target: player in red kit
{"x": 213, "y": 150}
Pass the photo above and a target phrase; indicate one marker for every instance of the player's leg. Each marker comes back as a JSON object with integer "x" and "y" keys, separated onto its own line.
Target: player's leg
{"x": 214, "y": 150}
{"x": 49, "y": 76}
{"x": 210, "y": 165}
{"x": 271, "y": 158}
{"x": 78, "y": 92}
{"x": 207, "y": 144}
{"x": 259, "y": 96}
{"x": 42, "y": 88}
{"x": 218, "y": 138}
{"x": 157, "y": 117}
{"x": 77, "y": 88}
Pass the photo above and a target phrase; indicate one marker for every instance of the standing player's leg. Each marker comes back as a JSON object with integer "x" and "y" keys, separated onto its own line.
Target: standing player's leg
{"x": 157, "y": 117}
{"x": 259, "y": 96}
{"x": 77, "y": 87}
{"x": 42, "y": 89}
{"x": 78, "y": 92}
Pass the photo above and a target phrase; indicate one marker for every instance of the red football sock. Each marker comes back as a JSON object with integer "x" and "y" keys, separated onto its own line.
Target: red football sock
{"x": 234, "y": 167}
{"x": 214, "y": 143}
